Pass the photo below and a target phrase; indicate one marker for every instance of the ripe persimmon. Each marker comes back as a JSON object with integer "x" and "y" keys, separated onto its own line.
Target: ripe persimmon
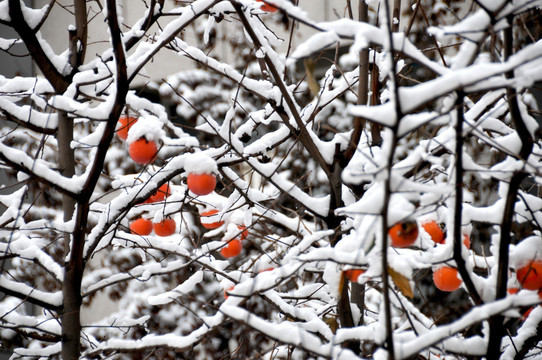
{"x": 210, "y": 225}
{"x": 125, "y": 123}
{"x": 434, "y": 230}
{"x": 161, "y": 194}
{"x": 446, "y": 279}
{"x": 141, "y": 226}
{"x": 267, "y": 7}
{"x": 164, "y": 228}
{"x": 530, "y": 275}
{"x": 353, "y": 274}
{"x": 403, "y": 234}
{"x": 232, "y": 249}
{"x": 142, "y": 151}
{"x": 466, "y": 241}
{"x": 244, "y": 231}
{"x": 526, "y": 313}
{"x": 201, "y": 184}
{"x": 512, "y": 290}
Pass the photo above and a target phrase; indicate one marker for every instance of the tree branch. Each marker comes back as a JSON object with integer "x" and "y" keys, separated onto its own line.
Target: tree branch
{"x": 18, "y": 22}
{"x": 305, "y": 138}
{"x": 71, "y": 323}
{"x": 156, "y": 47}
{"x": 152, "y": 17}
{"x": 28, "y": 166}
{"x": 363, "y": 92}
{"x": 81, "y": 25}
{"x": 458, "y": 204}
{"x": 389, "y": 345}
{"x": 496, "y": 331}
{"x": 16, "y": 291}
{"x": 27, "y": 124}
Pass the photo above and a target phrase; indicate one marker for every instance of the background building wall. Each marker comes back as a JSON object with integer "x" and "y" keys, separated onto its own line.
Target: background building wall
{"x": 11, "y": 66}
{"x": 54, "y": 31}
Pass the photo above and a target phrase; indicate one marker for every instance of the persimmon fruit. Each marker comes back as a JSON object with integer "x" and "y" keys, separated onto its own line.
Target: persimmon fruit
{"x": 125, "y": 123}
{"x": 353, "y": 274}
{"x": 142, "y": 151}
{"x": 512, "y": 290}
{"x": 161, "y": 194}
{"x": 403, "y": 234}
{"x": 530, "y": 275}
{"x": 434, "y": 230}
{"x": 141, "y": 226}
{"x": 201, "y": 184}
{"x": 526, "y": 313}
{"x": 232, "y": 249}
{"x": 267, "y": 7}
{"x": 244, "y": 231}
{"x": 446, "y": 279}
{"x": 466, "y": 241}
{"x": 210, "y": 225}
{"x": 164, "y": 228}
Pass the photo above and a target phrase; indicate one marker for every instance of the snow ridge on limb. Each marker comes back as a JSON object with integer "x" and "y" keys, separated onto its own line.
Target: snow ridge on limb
{"x": 169, "y": 341}
{"x": 288, "y": 333}
{"x": 476, "y": 315}
{"x": 364, "y": 35}
{"x": 41, "y": 170}
{"x": 142, "y": 56}
{"x": 32, "y": 295}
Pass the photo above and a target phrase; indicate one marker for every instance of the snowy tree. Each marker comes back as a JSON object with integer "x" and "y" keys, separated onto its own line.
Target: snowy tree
{"x": 382, "y": 202}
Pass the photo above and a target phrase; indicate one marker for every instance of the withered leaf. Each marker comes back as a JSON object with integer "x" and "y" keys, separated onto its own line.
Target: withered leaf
{"x": 402, "y": 282}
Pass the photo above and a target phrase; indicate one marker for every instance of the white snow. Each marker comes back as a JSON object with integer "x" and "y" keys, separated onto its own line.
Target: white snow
{"x": 180, "y": 290}
{"x": 200, "y": 163}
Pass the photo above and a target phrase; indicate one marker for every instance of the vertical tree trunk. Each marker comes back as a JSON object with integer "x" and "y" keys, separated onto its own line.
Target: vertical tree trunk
{"x": 396, "y": 15}
{"x": 73, "y": 270}
{"x": 71, "y": 321}
{"x": 66, "y": 159}
{"x": 357, "y": 295}
{"x": 70, "y": 288}
{"x": 81, "y": 25}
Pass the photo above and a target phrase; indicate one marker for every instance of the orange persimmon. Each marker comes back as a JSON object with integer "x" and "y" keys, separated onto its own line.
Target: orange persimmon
{"x": 141, "y": 226}
{"x": 244, "y": 231}
{"x": 353, "y": 274}
{"x": 267, "y": 7}
{"x": 232, "y": 249}
{"x": 434, "y": 230}
{"x": 161, "y": 194}
{"x": 446, "y": 279}
{"x": 125, "y": 123}
{"x": 403, "y": 234}
{"x": 210, "y": 225}
{"x": 530, "y": 275}
{"x": 466, "y": 241}
{"x": 142, "y": 151}
{"x": 164, "y": 228}
{"x": 201, "y": 184}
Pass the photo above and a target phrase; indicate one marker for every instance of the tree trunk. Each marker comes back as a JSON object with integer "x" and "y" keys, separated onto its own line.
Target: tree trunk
{"x": 74, "y": 243}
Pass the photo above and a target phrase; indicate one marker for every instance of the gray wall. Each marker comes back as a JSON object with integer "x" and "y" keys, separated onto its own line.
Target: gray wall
{"x": 11, "y": 66}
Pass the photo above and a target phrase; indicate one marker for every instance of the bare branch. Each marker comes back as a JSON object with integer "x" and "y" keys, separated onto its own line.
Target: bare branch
{"x": 55, "y": 77}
